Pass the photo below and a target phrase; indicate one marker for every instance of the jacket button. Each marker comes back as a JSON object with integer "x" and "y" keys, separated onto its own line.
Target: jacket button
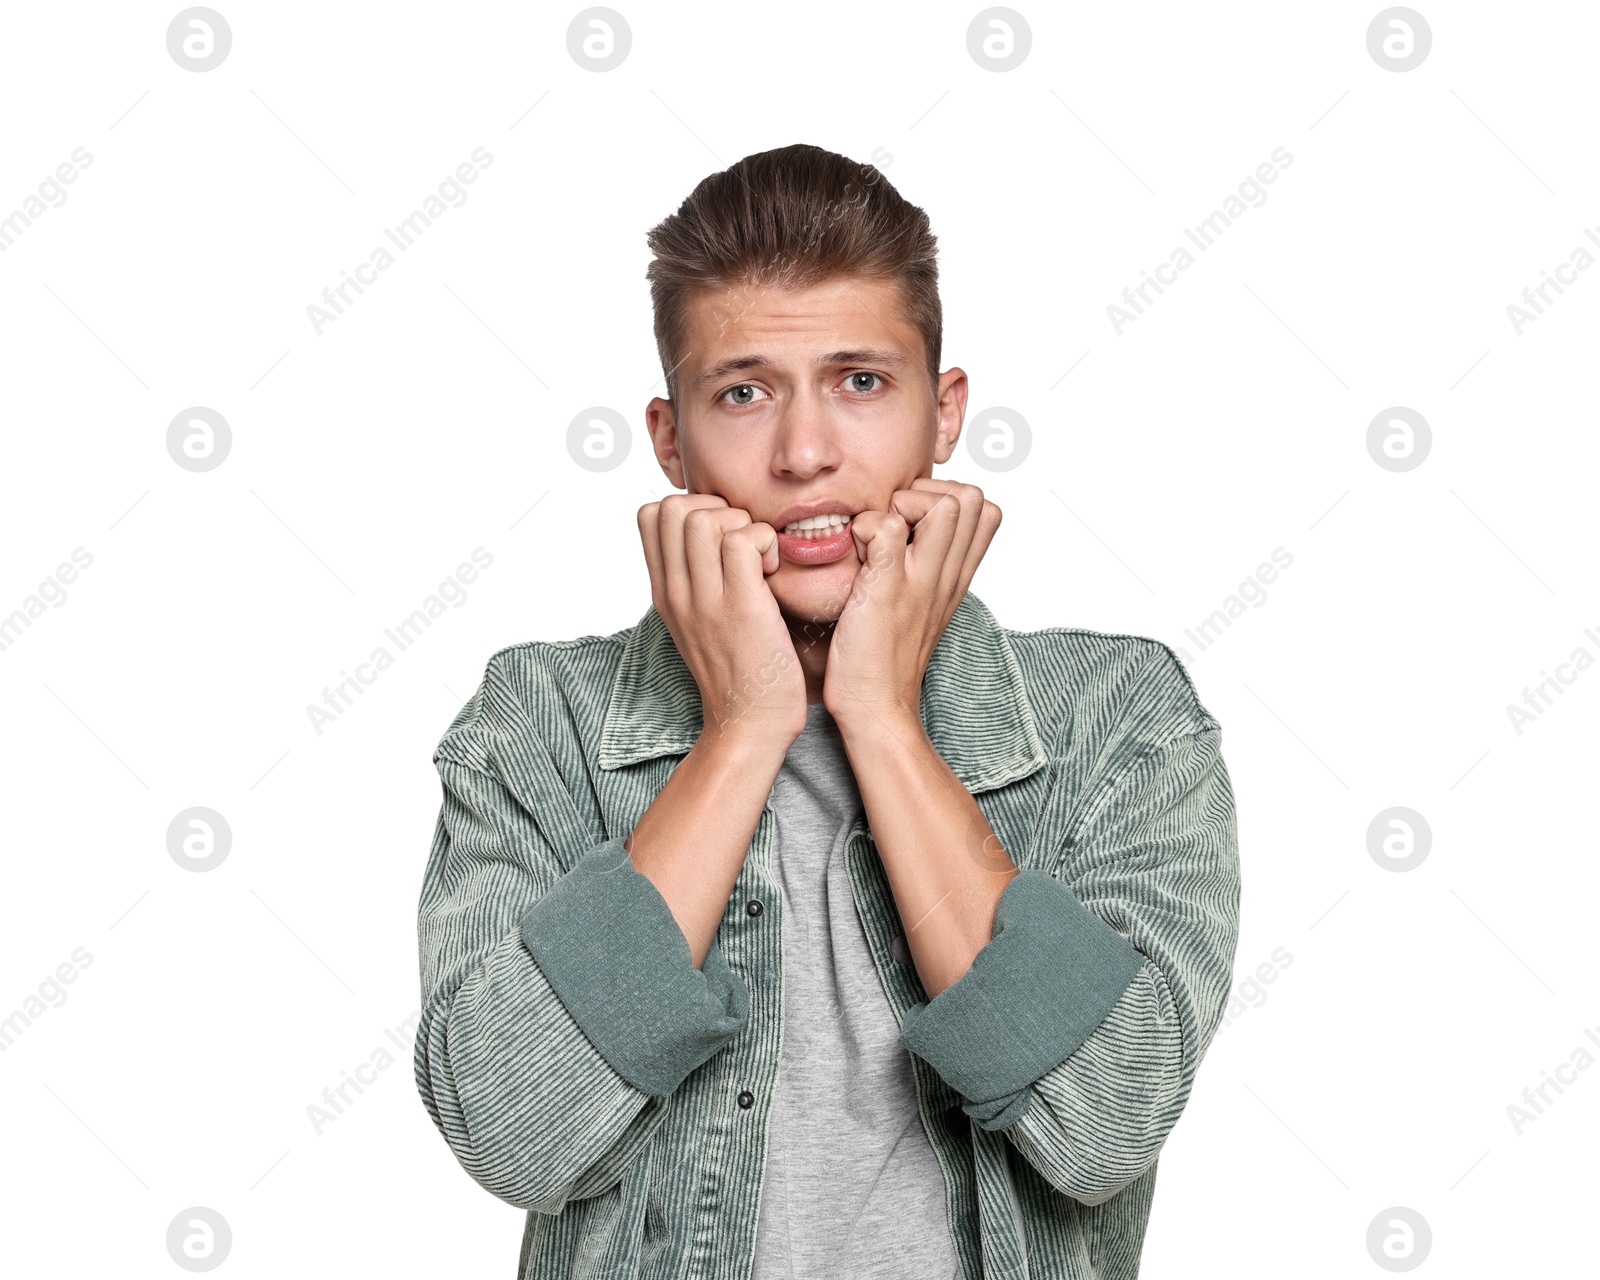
{"x": 899, "y": 950}
{"x": 754, "y": 907}
{"x": 956, "y": 1122}
{"x": 746, "y": 1099}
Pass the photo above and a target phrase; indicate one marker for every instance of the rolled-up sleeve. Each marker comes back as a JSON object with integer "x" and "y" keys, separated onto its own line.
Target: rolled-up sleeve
{"x": 610, "y": 946}
{"x": 560, "y": 1005}
{"x": 1032, "y": 995}
{"x": 1080, "y": 1038}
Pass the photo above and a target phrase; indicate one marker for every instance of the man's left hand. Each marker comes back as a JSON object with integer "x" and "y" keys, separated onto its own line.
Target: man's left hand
{"x": 904, "y": 595}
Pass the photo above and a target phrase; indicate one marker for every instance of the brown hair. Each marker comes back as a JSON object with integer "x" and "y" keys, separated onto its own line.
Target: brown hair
{"x": 790, "y": 218}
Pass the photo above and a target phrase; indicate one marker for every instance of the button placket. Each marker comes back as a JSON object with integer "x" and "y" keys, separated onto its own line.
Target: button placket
{"x": 758, "y": 855}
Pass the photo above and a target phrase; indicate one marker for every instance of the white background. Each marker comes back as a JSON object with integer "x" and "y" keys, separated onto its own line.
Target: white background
{"x": 430, "y": 418}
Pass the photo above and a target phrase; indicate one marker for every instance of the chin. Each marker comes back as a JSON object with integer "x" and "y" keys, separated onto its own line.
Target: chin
{"x": 814, "y": 593}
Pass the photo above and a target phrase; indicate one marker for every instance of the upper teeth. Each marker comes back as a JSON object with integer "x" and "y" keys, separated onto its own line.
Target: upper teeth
{"x": 817, "y": 522}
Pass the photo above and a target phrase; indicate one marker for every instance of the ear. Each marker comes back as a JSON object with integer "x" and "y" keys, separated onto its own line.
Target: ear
{"x": 950, "y": 413}
{"x": 663, "y": 428}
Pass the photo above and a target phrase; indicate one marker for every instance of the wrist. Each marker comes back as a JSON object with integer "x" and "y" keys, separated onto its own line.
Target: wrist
{"x": 741, "y": 745}
{"x": 865, "y": 725}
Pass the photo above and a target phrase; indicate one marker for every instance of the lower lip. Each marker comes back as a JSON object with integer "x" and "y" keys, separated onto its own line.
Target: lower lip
{"x": 819, "y": 550}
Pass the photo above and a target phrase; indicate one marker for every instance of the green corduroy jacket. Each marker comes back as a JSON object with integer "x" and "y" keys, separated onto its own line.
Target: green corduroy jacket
{"x": 582, "y": 1069}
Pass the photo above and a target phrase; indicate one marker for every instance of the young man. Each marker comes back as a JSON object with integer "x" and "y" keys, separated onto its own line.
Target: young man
{"x": 817, "y": 925}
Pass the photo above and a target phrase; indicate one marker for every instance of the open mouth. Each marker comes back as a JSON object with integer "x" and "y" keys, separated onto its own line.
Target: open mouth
{"x": 817, "y": 540}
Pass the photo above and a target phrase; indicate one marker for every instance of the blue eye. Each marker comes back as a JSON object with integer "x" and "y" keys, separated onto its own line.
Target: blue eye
{"x": 744, "y": 394}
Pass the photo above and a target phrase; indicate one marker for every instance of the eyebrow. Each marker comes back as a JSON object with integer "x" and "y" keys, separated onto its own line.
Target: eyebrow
{"x": 860, "y": 355}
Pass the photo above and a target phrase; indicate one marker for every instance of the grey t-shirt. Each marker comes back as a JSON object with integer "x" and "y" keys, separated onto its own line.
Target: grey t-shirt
{"x": 852, "y": 1186}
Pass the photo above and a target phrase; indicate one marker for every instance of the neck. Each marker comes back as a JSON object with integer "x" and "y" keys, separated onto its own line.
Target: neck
{"x": 811, "y": 643}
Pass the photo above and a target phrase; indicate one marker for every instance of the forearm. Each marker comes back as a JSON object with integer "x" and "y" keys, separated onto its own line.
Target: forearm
{"x": 943, "y": 861}
{"x": 692, "y": 840}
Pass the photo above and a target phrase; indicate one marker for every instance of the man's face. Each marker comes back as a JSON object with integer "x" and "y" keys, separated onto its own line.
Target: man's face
{"x": 791, "y": 397}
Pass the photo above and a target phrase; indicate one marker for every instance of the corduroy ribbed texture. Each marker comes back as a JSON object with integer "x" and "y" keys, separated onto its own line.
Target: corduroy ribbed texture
{"x": 1047, "y": 979}
{"x": 580, "y": 1068}
{"x": 608, "y": 943}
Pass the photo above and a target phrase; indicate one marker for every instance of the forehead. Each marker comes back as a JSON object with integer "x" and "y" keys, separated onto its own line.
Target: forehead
{"x": 797, "y": 324}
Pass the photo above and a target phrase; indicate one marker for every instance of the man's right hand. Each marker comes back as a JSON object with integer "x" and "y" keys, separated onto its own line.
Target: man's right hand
{"x": 708, "y": 565}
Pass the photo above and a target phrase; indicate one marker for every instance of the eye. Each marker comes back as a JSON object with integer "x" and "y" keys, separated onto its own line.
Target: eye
{"x": 850, "y": 381}
{"x": 738, "y": 392}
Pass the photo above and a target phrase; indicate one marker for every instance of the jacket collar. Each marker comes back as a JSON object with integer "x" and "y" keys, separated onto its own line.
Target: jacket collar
{"x": 974, "y": 704}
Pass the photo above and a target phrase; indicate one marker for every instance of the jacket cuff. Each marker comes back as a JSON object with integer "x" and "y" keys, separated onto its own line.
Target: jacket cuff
{"x": 1033, "y": 994}
{"x": 611, "y": 948}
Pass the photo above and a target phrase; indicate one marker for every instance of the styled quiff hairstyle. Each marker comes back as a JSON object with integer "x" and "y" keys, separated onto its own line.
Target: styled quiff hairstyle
{"x": 790, "y": 218}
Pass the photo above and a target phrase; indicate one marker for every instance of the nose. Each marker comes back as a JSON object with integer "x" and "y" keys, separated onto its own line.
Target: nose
{"x": 806, "y": 439}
